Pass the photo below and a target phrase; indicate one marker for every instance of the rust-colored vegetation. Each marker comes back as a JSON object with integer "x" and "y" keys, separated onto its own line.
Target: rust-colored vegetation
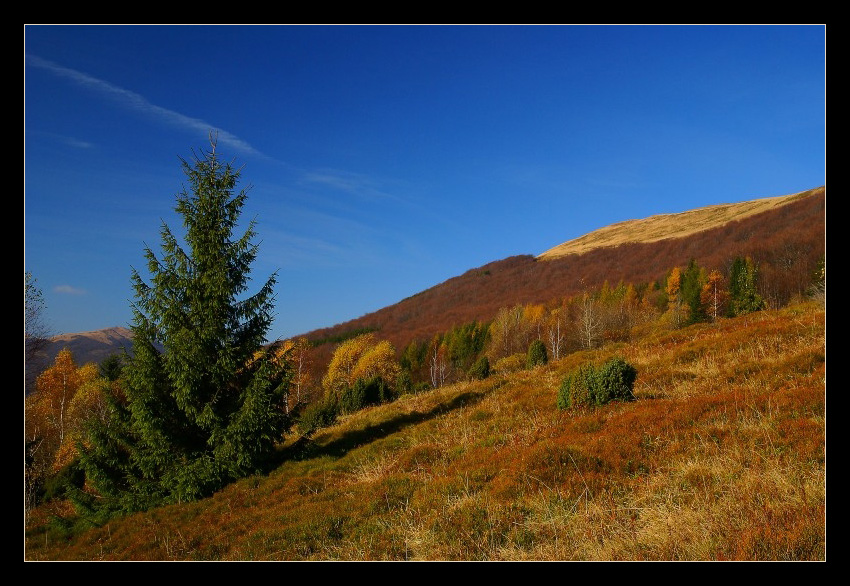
{"x": 721, "y": 456}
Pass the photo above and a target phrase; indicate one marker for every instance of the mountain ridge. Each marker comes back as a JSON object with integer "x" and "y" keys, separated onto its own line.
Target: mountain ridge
{"x": 670, "y": 225}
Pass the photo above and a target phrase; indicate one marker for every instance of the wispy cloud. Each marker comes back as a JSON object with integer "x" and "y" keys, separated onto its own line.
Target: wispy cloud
{"x": 137, "y": 102}
{"x": 68, "y": 290}
{"x": 353, "y": 183}
{"x": 77, "y": 143}
{"x": 68, "y": 140}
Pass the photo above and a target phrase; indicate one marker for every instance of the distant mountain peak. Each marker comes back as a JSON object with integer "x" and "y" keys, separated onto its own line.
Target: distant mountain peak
{"x": 87, "y": 347}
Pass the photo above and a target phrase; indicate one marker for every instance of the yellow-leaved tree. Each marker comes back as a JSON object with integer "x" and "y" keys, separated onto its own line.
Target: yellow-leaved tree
{"x": 340, "y": 373}
{"x": 361, "y": 359}
{"x": 297, "y": 353}
{"x": 378, "y": 360}
{"x": 89, "y": 402}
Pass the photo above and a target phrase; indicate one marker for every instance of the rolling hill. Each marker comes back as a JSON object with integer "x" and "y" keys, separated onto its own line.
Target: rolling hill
{"x": 91, "y": 346}
{"x": 784, "y": 235}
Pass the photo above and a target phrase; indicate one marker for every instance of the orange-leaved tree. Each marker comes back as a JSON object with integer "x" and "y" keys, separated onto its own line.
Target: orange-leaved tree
{"x": 54, "y": 417}
{"x": 48, "y": 409}
{"x": 674, "y": 297}
{"x": 714, "y": 295}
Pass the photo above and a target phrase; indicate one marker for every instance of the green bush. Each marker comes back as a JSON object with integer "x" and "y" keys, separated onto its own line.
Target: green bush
{"x": 590, "y": 386}
{"x": 578, "y": 388}
{"x": 364, "y": 393}
{"x": 615, "y": 381}
{"x": 404, "y": 382}
{"x": 537, "y": 354}
{"x": 421, "y": 387}
{"x": 317, "y": 415}
{"x": 353, "y": 398}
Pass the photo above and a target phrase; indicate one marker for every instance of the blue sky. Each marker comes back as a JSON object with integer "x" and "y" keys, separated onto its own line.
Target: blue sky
{"x": 384, "y": 160}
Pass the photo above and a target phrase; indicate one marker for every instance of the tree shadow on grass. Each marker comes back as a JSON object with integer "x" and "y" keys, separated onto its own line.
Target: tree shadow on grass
{"x": 305, "y": 447}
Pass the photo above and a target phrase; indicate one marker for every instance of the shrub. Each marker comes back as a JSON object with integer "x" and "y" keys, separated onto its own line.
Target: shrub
{"x": 481, "y": 369}
{"x": 537, "y": 354}
{"x": 577, "y": 389}
{"x": 589, "y": 385}
{"x": 615, "y": 381}
{"x": 421, "y": 387}
{"x": 364, "y": 393}
{"x": 317, "y": 415}
{"x": 352, "y": 397}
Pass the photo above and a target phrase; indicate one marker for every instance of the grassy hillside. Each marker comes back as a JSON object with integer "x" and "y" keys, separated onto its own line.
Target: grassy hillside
{"x": 678, "y": 225}
{"x": 722, "y": 456}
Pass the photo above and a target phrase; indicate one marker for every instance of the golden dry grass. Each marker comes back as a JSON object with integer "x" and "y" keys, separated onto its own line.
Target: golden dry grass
{"x": 677, "y": 225}
{"x": 721, "y": 457}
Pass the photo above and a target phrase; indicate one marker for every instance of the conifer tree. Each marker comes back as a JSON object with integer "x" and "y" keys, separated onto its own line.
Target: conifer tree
{"x": 744, "y": 298}
{"x": 537, "y": 354}
{"x": 204, "y": 401}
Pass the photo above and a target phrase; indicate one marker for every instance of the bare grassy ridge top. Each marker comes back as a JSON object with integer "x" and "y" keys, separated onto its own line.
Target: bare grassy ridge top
{"x": 722, "y": 456}
{"x": 662, "y": 226}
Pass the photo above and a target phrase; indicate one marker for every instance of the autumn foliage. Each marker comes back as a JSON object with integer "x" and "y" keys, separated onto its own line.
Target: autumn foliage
{"x": 65, "y": 399}
{"x": 361, "y": 358}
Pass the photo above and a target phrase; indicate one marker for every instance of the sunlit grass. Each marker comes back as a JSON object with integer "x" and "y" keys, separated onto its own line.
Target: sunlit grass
{"x": 722, "y": 456}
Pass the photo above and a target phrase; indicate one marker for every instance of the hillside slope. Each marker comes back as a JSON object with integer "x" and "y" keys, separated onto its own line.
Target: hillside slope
{"x": 722, "y": 456}
{"x": 784, "y": 235}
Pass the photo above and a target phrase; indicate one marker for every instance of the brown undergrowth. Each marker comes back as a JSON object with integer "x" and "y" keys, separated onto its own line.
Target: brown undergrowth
{"x": 721, "y": 457}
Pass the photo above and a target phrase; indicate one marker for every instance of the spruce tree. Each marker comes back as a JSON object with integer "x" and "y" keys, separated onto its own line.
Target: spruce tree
{"x": 204, "y": 401}
{"x": 744, "y": 298}
{"x": 537, "y": 354}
